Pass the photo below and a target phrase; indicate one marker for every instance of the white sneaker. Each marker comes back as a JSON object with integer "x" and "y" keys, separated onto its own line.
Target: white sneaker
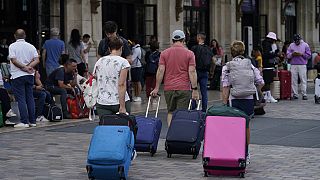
{"x": 44, "y": 119}
{"x": 272, "y": 100}
{"x": 154, "y": 101}
{"x": 41, "y": 119}
{"x": 21, "y": 125}
{"x": 248, "y": 158}
{"x": 137, "y": 99}
{"x": 134, "y": 155}
{"x": 8, "y": 122}
{"x": 32, "y": 125}
{"x": 10, "y": 113}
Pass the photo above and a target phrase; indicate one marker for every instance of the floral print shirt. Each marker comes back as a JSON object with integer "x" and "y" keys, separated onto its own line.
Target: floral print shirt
{"x": 107, "y": 70}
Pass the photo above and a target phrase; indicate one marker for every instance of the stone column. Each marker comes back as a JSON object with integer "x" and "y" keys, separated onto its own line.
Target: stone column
{"x": 73, "y": 17}
{"x": 306, "y": 24}
{"x": 223, "y": 24}
{"x": 167, "y": 21}
{"x": 92, "y": 25}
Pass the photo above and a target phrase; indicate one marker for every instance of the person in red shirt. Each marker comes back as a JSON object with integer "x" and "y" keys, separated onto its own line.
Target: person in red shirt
{"x": 177, "y": 69}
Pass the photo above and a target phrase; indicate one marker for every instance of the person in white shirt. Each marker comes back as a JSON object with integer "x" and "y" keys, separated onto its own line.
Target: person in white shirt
{"x": 86, "y": 45}
{"x": 136, "y": 70}
{"x": 23, "y": 57}
{"x": 111, "y": 72}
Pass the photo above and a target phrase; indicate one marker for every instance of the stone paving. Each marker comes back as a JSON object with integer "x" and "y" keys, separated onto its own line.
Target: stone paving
{"x": 40, "y": 154}
{"x": 44, "y": 153}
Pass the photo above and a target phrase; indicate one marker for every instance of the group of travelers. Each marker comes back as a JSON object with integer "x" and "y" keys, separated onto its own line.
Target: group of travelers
{"x": 62, "y": 65}
{"x": 123, "y": 64}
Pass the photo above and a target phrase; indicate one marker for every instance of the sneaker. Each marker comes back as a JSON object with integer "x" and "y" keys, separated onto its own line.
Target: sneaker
{"x": 10, "y": 113}
{"x": 134, "y": 155}
{"x": 8, "y": 122}
{"x": 21, "y": 125}
{"x": 295, "y": 97}
{"x": 305, "y": 97}
{"x": 41, "y": 119}
{"x": 32, "y": 125}
{"x": 137, "y": 99}
{"x": 155, "y": 101}
{"x": 248, "y": 158}
{"x": 272, "y": 100}
{"x": 44, "y": 119}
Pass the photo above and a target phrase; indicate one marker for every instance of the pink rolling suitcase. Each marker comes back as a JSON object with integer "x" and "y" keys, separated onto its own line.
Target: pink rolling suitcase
{"x": 224, "y": 146}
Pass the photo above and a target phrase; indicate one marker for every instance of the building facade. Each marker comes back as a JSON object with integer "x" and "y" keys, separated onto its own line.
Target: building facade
{"x": 224, "y": 20}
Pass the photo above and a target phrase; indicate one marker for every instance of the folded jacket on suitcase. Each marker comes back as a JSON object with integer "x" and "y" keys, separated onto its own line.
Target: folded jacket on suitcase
{"x": 227, "y": 111}
{"x": 110, "y": 152}
{"x": 120, "y": 120}
{"x": 224, "y": 146}
{"x": 185, "y": 132}
{"x": 149, "y": 131}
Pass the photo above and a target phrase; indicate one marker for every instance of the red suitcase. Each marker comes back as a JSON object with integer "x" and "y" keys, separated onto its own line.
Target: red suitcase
{"x": 285, "y": 84}
{"x": 224, "y": 146}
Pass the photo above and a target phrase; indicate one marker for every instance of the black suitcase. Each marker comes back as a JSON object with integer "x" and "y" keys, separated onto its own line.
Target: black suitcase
{"x": 120, "y": 120}
{"x": 185, "y": 132}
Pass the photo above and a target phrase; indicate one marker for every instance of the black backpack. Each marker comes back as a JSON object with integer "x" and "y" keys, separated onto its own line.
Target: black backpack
{"x": 153, "y": 62}
{"x": 53, "y": 113}
{"x": 203, "y": 57}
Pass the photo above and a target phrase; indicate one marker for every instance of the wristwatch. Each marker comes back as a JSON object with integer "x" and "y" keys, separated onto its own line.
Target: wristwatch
{"x": 195, "y": 88}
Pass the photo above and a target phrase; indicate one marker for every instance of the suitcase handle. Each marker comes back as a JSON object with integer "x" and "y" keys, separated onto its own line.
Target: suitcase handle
{"x": 158, "y": 104}
{"x": 198, "y": 106}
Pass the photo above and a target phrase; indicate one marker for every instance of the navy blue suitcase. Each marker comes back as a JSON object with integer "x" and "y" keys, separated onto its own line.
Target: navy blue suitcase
{"x": 149, "y": 131}
{"x": 110, "y": 153}
{"x": 186, "y": 132}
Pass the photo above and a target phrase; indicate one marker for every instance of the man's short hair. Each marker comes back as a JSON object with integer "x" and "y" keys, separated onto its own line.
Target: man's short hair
{"x": 63, "y": 58}
{"x": 110, "y": 27}
{"x": 70, "y": 61}
{"x": 20, "y": 34}
{"x": 115, "y": 43}
{"x": 86, "y": 36}
{"x": 54, "y": 32}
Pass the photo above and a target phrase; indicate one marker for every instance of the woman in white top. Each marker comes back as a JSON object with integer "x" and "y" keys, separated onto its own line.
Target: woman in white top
{"x": 111, "y": 72}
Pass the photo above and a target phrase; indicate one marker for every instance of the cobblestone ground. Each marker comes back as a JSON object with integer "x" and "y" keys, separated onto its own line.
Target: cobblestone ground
{"x": 39, "y": 154}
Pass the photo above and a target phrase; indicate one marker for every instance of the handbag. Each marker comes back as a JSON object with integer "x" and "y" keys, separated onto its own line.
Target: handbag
{"x": 90, "y": 95}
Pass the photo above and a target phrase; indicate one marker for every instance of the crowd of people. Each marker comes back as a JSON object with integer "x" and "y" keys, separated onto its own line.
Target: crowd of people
{"x": 124, "y": 67}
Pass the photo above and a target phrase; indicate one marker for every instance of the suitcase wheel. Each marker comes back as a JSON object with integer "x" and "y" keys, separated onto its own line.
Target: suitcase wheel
{"x": 194, "y": 156}
{"x": 205, "y": 174}
{"x": 241, "y": 175}
{"x": 152, "y": 154}
{"x": 169, "y": 155}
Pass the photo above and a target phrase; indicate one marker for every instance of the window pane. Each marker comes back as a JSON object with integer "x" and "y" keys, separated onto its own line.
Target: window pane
{"x": 149, "y": 28}
{"x": 149, "y": 13}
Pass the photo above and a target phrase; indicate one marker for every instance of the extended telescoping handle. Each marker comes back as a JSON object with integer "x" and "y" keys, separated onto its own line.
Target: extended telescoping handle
{"x": 198, "y": 106}
{"x": 158, "y": 104}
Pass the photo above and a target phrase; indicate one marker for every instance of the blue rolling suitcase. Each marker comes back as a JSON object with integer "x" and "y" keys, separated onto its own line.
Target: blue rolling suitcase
{"x": 149, "y": 131}
{"x": 186, "y": 132}
{"x": 110, "y": 153}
